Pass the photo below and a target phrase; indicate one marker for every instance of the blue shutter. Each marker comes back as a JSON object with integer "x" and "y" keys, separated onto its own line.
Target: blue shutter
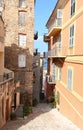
{"x": 71, "y": 36}
{"x": 69, "y": 79}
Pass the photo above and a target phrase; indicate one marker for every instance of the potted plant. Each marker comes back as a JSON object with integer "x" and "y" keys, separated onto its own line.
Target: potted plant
{"x": 26, "y": 111}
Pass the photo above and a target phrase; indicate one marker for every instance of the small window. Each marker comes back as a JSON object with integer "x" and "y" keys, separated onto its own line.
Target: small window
{"x": 72, "y": 7}
{"x": 71, "y": 42}
{"x": 69, "y": 79}
{"x": 22, "y": 40}
{"x": 22, "y": 18}
{"x": 22, "y": 3}
{"x": 22, "y": 60}
{"x": 59, "y": 13}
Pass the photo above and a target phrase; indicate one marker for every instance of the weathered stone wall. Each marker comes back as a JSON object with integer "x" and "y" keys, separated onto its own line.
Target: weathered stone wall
{"x": 37, "y": 76}
{"x": 6, "y": 98}
{"x": 12, "y": 49}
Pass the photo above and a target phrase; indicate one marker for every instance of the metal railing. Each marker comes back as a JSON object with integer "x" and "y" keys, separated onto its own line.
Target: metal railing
{"x": 6, "y": 76}
{"x": 57, "y": 51}
{"x": 51, "y": 78}
{"x": 56, "y": 23}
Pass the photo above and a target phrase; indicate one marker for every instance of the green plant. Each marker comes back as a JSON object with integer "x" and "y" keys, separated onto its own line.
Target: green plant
{"x": 54, "y": 99}
{"x": 35, "y": 102}
{"x": 27, "y": 110}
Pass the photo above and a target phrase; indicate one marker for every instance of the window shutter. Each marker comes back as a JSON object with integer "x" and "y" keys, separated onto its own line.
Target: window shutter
{"x": 22, "y": 60}
{"x": 69, "y": 79}
{"x": 59, "y": 13}
{"x": 22, "y": 41}
{"x": 71, "y": 36}
{"x": 72, "y": 7}
{"x": 22, "y": 3}
{"x": 22, "y": 18}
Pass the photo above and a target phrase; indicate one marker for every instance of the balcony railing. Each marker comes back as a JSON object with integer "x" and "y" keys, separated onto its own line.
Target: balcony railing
{"x": 55, "y": 26}
{"x": 56, "y": 52}
{"x": 6, "y": 76}
{"x": 51, "y": 79}
{"x": 46, "y": 38}
{"x": 6, "y": 87}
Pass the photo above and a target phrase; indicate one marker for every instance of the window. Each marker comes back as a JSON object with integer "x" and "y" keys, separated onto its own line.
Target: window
{"x": 69, "y": 79}
{"x": 71, "y": 36}
{"x": 72, "y": 7}
{"x": 59, "y": 13}
{"x": 22, "y": 3}
{"x": 22, "y": 18}
{"x": 22, "y": 40}
{"x": 22, "y": 60}
{"x": 59, "y": 17}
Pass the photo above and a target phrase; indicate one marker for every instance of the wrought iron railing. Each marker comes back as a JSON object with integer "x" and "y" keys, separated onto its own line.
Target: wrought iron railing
{"x": 6, "y": 76}
{"x": 57, "y": 51}
{"x": 56, "y": 23}
{"x": 51, "y": 78}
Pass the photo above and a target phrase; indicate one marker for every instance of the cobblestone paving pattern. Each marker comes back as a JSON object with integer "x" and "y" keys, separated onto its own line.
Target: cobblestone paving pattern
{"x": 42, "y": 118}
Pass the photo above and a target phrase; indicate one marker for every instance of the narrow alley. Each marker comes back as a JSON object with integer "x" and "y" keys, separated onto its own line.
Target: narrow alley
{"x": 42, "y": 118}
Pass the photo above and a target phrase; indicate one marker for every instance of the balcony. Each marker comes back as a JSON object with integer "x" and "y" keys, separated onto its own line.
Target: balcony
{"x": 46, "y": 38}
{"x": 55, "y": 27}
{"x": 6, "y": 76}
{"x": 35, "y": 35}
{"x": 51, "y": 79}
{"x": 56, "y": 52}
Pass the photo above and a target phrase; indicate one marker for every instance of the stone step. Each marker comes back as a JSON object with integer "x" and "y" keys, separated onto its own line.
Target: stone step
{"x": 19, "y": 111}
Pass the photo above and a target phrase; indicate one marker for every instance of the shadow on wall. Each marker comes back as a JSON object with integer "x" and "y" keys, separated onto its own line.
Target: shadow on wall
{"x": 20, "y": 61}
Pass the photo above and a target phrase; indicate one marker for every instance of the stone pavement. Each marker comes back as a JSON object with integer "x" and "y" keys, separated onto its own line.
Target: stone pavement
{"x": 42, "y": 118}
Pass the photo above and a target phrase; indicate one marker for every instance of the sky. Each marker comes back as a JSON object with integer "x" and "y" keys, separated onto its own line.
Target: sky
{"x": 43, "y": 10}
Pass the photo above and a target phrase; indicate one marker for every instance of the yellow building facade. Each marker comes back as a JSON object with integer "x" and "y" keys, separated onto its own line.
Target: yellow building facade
{"x": 65, "y": 58}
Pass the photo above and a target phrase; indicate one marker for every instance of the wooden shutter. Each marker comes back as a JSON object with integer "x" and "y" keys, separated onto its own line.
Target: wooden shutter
{"x": 59, "y": 13}
{"x": 69, "y": 79}
{"x": 22, "y": 41}
{"x": 22, "y": 60}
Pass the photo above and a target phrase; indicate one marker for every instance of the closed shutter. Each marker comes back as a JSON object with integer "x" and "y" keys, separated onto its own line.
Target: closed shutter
{"x": 22, "y": 3}
{"x": 22, "y": 60}
{"x": 69, "y": 79}
{"x": 72, "y": 7}
{"x": 71, "y": 36}
{"x": 22, "y": 41}
{"x": 59, "y": 13}
{"x": 22, "y": 18}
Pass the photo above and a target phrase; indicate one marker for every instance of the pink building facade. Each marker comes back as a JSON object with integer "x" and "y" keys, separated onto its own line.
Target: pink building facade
{"x": 65, "y": 58}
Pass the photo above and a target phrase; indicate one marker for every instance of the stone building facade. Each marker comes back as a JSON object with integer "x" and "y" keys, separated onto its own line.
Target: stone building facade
{"x": 65, "y": 58}
{"x": 19, "y": 39}
{"x": 37, "y": 76}
{"x": 6, "y": 82}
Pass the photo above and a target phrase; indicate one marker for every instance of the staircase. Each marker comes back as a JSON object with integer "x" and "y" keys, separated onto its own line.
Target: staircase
{"x": 19, "y": 111}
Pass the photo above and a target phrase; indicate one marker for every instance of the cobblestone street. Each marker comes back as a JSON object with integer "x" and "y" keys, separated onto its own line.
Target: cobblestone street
{"x": 42, "y": 118}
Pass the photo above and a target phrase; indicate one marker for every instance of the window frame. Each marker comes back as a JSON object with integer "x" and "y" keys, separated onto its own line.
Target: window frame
{"x": 71, "y": 36}
{"x": 73, "y": 5}
{"x": 20, "y": 40}
{"x": 70, "y": 79}
{"x": 22, "y": 18}
{"x": 20, "y": 59}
